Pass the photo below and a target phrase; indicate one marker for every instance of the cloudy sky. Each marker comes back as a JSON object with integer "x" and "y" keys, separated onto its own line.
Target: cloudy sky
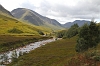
{"x": 61, "y": 10}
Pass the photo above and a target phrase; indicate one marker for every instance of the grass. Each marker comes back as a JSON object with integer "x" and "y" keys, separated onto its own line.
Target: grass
{"x": 54, "y": 28}
{"x": 87, "y": 58}
{"x": 52, "y": 54}
{"x": 10, "y": 42}
{"x": 7, "y": 23}
{"x": 59, "y": 53}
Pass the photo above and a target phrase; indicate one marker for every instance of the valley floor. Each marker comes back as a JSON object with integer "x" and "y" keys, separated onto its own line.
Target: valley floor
{"x": 59, "y": 53}
{"x": 52, "y": 54}
{"x": 11, "y": 42}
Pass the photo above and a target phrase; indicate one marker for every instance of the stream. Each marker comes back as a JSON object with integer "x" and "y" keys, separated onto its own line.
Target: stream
{"x": 6, "y": 58}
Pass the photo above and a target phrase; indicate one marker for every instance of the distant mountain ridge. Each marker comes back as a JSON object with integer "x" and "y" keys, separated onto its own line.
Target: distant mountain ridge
{"x": 79, "y": 22}
{"x": 35, "y": 18}
{"x": 5, "y": 12}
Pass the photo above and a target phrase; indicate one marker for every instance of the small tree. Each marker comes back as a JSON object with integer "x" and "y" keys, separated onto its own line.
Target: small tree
{"x": 82, "y": 42}
{"x": 88, "y": 37}
{"x": 72, "y": 31}
{"x": 94, "y": 34}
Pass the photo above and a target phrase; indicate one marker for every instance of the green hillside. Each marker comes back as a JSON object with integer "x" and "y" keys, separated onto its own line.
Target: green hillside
{"x": 7, "y": 24}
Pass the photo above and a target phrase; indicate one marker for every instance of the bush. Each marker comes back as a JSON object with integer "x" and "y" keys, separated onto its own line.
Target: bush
{"x": 88, "y": 37}
{"x": 40, "y": 32}
{"x": 97, "y": 58}
{"x": 73, "y": 31}
{"x": 61, "y": 34}
{"x": 15, "y": 30}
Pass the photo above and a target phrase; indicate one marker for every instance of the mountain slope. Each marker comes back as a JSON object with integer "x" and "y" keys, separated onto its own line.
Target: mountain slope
{"x": 35, "y": 18}
{"x": 7, "y": 24}
{"x": 79, "y": 22}
{"x": 5, "y": 12}
{"x": 25, "y": 14}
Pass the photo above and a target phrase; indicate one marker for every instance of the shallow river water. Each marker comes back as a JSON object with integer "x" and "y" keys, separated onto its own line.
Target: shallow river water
{"x": 6, "y": 57}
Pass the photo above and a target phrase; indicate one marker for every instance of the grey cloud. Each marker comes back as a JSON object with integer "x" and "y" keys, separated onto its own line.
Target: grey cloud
{"x": 44, "y": 7}
{"x": 85, "y": 9}
{"x": 28, "y": 5}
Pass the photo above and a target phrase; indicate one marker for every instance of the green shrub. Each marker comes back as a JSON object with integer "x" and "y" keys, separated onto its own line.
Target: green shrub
{"x": 61, "y": 34}
{"x": 73, "y": 31}
{"x": 40, "y": 32}
{"x": 88, "y": 37}
{"x": 15, "y": 30}
{"x": 97, "y": 58}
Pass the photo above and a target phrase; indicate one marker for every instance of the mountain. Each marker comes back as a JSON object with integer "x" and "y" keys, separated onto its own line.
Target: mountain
{"x": 10, "y": 25}
{"x": 79, "y": 22}
{"x": 5, "y": 12}
{"x": 28, "y": 15}
{"x": 35, "y": 18}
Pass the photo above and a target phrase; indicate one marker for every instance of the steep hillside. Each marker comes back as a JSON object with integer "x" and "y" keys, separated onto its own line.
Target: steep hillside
{"x": 25, "y": 14}
{"x": 12, "y": 26}
{"x": 79, "y": 22}
{"x": 35, "y": 18}
{"x": 3, "y": 11}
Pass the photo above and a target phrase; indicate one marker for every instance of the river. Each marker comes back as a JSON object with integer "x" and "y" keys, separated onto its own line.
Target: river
{"x": 6, "y": 58}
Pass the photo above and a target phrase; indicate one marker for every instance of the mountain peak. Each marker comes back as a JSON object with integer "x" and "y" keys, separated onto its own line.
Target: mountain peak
{"x": 35, "y": 18}
{"x": 3, "y": 11}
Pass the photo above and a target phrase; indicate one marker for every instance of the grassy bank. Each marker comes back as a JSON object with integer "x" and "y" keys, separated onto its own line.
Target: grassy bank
{"x": 10, "y": 42}
{"x": 52, "y": 54}
{"x": 87, "y": 58}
